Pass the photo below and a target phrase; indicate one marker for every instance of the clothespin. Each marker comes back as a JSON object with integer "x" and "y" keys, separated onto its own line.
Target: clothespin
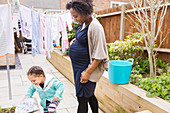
{"x": 18, "y": 2}
{"x": 46, "y": 13}
{"x": 39, "y": 11}
{"x": 8, "y": 2}
{"x": 32, "y": 8}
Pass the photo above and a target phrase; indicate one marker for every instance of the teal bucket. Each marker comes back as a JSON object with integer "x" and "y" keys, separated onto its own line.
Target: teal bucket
{"x": 120, "y": 70}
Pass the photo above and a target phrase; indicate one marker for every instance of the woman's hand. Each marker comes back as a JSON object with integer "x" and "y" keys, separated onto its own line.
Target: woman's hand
{"x": 72, "y": 41}
{"x": 84, "y": 76}
{"x": 55, "y": 99}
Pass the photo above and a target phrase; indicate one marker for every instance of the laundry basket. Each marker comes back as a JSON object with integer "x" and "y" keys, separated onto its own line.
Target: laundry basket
{"x": 120, "y": 70}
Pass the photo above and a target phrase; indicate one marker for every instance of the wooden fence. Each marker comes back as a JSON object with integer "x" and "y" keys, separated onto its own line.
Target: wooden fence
{"x": 117, "y": 26}
{"x": 114, "y": 21}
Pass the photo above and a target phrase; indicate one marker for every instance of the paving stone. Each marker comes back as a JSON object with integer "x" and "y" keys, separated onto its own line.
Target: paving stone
{"x": 62, "y": 111}
{"x": 68, "y": 88}
{"x": 24, "y": 78}
{"x": 4, "y": 83}
{"x": 63, "y": 79}
{"x": 68, "y": 102}
{"x": 72, "y": 110}
{"x": 20, "y": 84}
{"x": 5, "y": 102}
{"x": 4, "y": 92}
{"x": 58, "y": 75}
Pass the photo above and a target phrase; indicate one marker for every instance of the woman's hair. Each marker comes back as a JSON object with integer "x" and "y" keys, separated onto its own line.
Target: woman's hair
{"x": 37, "y": 70}
{"x": 84, "y": 7}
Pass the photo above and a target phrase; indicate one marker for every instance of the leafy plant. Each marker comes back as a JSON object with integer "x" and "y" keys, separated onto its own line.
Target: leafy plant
{"x": 142, "y": 65}
{"x": 71, "y": 34}
{"x": 0, "y": 109}
{"x": 162, "y": 64}
{"x": 8, "y": 110}
{"x": 122, "y": 50}
{"x": 158, "y": 86}
{"x": 13, "y": 107}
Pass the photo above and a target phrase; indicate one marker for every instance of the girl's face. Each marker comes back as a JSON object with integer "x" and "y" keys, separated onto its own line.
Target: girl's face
{"x": 77, "y": 16}
{"x": 36, "y": 80}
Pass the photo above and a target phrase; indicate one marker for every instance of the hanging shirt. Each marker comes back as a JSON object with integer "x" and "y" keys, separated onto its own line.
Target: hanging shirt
{"x": 62, "y": 28}
{"x": 6, "y": 31}
{"x": 55, "y": 31}
{"x": 68, "y": 18}
{"x": 42, "y": 32}
{"x": 48, "y": 35}
{"x": 36, "y": 39}
{"x": 25, "y": 20}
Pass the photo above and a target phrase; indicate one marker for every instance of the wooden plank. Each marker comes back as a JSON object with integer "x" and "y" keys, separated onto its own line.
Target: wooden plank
{"x": 164, "y": 50}
{"x": 145, "y": 111}
{"x": 127, "y": 11}
{"x": 11, "y": 60}
{"x": 122, "y": 23}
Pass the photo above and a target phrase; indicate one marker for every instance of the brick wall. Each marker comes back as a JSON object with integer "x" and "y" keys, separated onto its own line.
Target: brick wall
{"x": 101, "y": 4}
{"x": 98, "y": 4}
{"x": 120, "y": 0}
{"x": 63, "y": 4}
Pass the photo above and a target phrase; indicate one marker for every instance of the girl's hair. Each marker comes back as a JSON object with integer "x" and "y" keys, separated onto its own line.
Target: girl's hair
{"x": 84, "y": 7}
{"x": 37, "y": 70}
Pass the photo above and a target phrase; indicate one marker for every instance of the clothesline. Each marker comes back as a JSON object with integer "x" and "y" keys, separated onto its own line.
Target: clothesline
{"x": 55, "y": 23}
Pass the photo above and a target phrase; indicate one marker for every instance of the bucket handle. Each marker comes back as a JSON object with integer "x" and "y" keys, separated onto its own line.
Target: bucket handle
{"x": 130, "y": 60}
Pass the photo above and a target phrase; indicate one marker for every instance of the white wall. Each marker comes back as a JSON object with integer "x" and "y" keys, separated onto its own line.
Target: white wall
{"x": 47, "y": 4}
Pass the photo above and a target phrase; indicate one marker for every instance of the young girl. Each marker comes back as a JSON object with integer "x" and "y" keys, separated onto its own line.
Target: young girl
{"x": 49, "y": 88}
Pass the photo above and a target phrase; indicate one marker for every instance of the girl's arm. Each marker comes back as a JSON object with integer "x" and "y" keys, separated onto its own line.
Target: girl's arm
{"x": 59, "y": 86}
{"x": 30, "y": 91}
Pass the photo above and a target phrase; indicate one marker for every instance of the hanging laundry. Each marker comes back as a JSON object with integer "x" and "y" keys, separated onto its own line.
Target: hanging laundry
{"x": 55, "y": 32}
{"x": 36, "y": 38}
{"x": 68, "y": 18}
{"x": 42, "y": 32}
{"x": 62, "y": 28}
{"x": 25, "y": 20}
{"x": 48, "y": 35}
{"x": 6, "y": 30}
{"x": 15, "y": 22}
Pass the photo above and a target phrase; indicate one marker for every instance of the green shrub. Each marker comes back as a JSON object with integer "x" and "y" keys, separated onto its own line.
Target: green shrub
{"x": 158, "y": 86}
{"x": 122, "y": 50}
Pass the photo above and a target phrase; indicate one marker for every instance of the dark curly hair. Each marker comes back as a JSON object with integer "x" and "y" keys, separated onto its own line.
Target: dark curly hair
{"x": 37, "y": 70}
{"x": 84, "y": 7}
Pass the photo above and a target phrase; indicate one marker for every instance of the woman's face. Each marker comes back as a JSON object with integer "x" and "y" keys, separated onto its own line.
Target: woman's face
{"x": 77, "y": 16}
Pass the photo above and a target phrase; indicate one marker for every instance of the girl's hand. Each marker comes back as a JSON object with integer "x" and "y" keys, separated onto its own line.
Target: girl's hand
{"x": 72, "y": 41}
{"x": 84, "y": 77}
{"x": 55, "y": 99}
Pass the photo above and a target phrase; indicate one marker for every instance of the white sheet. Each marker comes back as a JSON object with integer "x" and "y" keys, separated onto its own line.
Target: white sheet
{"x": 6, "y": 30}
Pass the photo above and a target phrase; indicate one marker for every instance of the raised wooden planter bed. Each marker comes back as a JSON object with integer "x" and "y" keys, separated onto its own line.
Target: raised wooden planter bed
{"x": 114, "y": 98}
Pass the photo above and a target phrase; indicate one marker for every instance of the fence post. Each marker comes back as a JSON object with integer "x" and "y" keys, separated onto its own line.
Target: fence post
{"x": 122, "y": 23}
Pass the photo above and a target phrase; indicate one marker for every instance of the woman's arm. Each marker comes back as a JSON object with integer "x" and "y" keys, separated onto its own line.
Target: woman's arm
{"x": 86, "y": 74}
